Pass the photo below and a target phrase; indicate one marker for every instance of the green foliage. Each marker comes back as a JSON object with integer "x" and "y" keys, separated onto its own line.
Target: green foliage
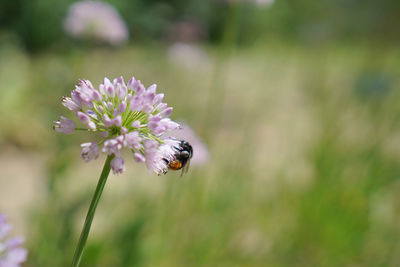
{"x": 304, "y": 140}
{"x": 38, "y": 23}
{"x": 303, "y": 169}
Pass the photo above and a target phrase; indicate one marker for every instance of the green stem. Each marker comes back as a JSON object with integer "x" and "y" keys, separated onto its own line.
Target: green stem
{"x": 91, "y": 212}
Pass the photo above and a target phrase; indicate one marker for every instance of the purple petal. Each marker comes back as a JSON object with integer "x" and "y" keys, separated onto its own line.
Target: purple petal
{"x": 118, "y": 165}
{"x": 84, "y": 118}
{"x": 139, "y": 157}
{"x": 166, "y": 112}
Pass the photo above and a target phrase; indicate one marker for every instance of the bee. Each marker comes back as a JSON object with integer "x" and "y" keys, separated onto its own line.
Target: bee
{"x": 182, "y": 156}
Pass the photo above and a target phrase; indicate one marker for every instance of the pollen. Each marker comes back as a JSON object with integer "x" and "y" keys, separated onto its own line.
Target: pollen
{"x": 175, "y": 165}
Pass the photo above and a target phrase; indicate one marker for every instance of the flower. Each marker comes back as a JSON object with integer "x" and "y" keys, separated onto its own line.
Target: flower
{"x": 158, "y": 157}
{"x": 127, "y": 116}
{"x": 186, "y": 133}
{"x": 118, "y": 165}
{"x": 264, "y": 2}
{"x": 260, "y": 3}
{"x": 186, "y": 31}
{"x": 89, "y": 151}
{"x": 64, "y": 125}
{"x": 11, "y": 252}
{"x": 96, "y": 20}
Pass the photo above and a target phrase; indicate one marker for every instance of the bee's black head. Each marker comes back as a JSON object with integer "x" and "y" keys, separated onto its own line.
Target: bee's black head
{"x": 186, "y": 148}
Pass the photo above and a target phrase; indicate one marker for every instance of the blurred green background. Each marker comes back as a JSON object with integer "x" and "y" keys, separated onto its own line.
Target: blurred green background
{"x": 297, "y": 102}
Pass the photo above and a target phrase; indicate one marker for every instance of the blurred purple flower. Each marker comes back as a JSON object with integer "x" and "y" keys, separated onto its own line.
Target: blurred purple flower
{"x": 200, "y": 155}
{"x": 256, "y": 2}
{"x": 11, "y": 252}
{"x": 263, "y": 2}
{"x": 186, "y": 31}
{"x": 127, "y": 116}
{"x": 96, "y": 20}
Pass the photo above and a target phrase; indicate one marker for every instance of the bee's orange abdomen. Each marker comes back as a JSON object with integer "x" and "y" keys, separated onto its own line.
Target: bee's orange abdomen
{"x": 175, "y": 165}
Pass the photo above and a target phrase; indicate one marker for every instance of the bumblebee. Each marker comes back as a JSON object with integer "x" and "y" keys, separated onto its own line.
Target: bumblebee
{"x": 182, "y": 156}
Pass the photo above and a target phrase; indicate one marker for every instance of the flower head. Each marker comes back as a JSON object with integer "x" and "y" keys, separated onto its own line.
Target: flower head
{"x": 128, "y": 116}
{"x": 96, "y": 20}
{"x": 11, "y": 252}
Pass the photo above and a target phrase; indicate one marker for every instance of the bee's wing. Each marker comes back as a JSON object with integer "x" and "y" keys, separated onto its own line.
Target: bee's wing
{"x": 186, "y": 168}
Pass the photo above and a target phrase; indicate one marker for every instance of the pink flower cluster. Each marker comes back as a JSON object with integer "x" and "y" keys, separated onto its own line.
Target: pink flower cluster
{"x": 97, "y": 21}
{"x": 127, "y": 116}
{"x": 11, "y": 252}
